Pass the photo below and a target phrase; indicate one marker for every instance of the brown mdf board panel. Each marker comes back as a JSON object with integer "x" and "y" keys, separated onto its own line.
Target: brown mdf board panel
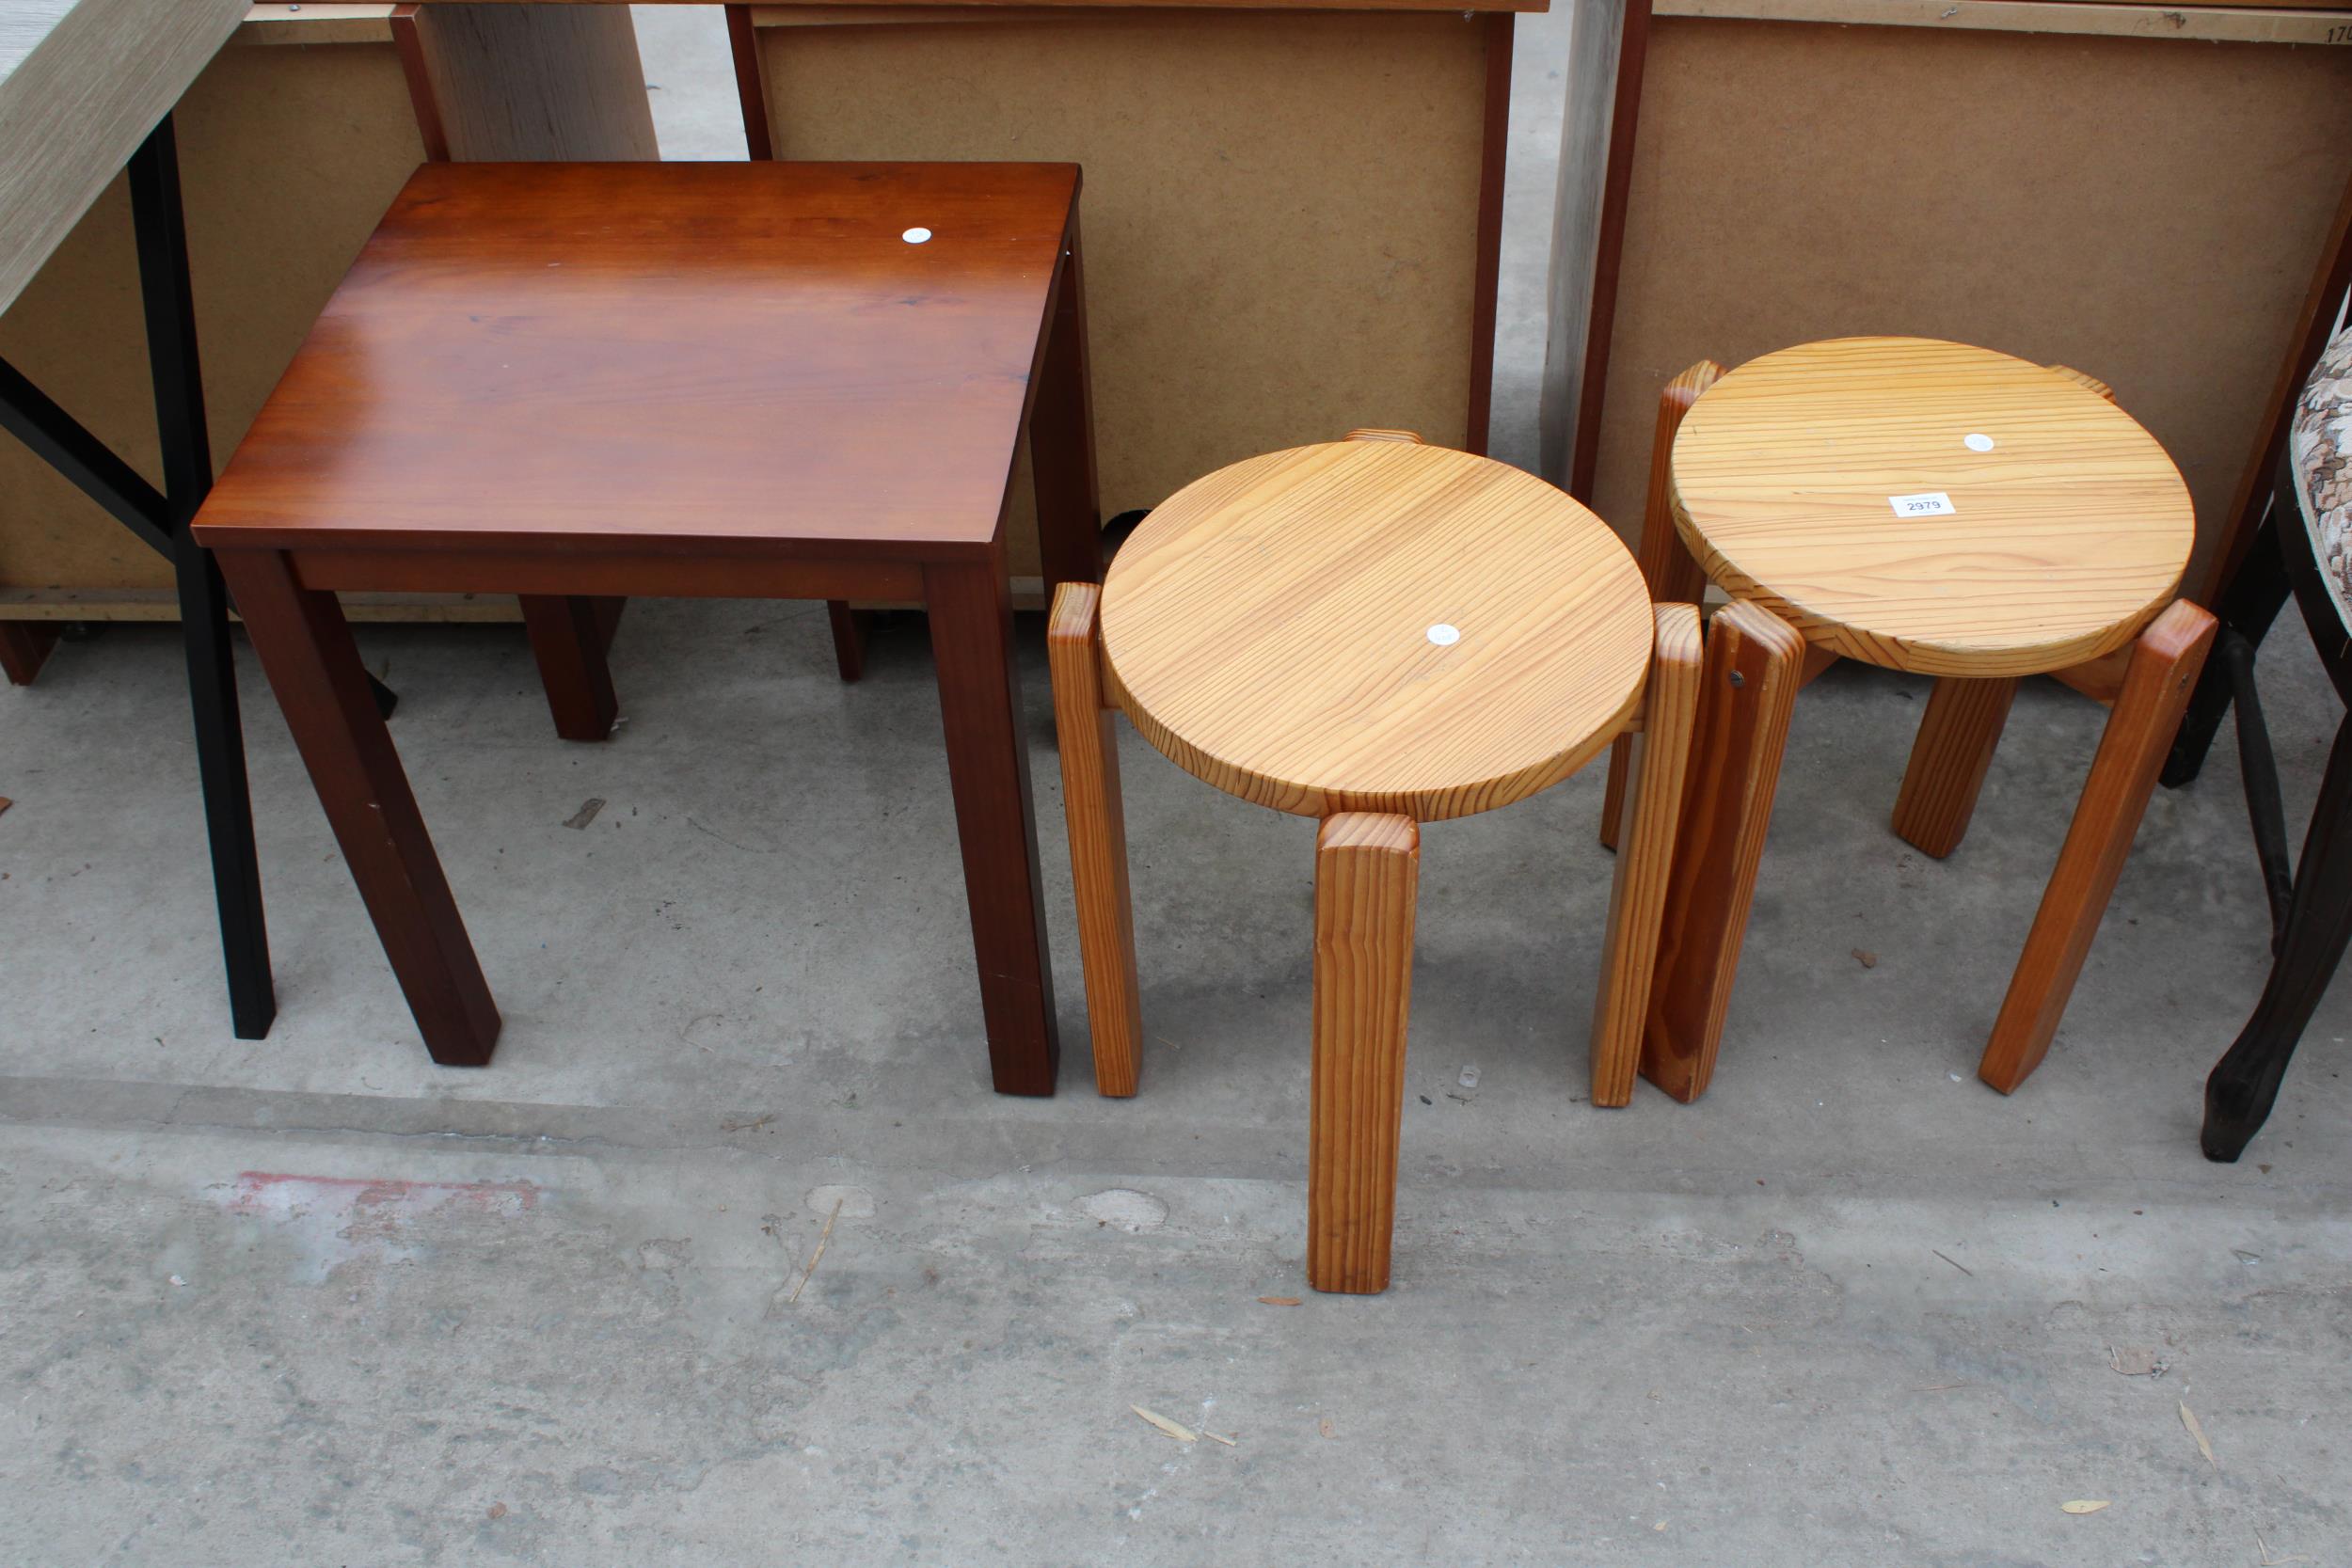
{"x": 2234, "y": 5}
{"x": 2231, "y": 21}
{"x": 1281, "y": 209}
{"x": 288, "y": 156}
{"x": 2148, "y": 210}
{"x": 985, "y": 6}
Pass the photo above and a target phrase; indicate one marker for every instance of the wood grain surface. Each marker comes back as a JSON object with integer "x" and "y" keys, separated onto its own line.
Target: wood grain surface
{"x": 2062, "y": 166}
{"x": 2066, "y": 536}
{"x": 1637, "y": 900}
{"x": 1254, "y": 279}
{"x": 1367, "y": 875}
{"x": 305, "y": 646}
{"x": 535, "y": 82}
{"x": 1950, "y": 759}
{"x": 1672, "y": 576}
{"x": 2218, "y": 21}
{"x": 1962, "y": 727}
{"x": 2162, "y": 670}
{"x": 1279, "y": 629}
{"x": 982, "y": 7}
{"x": 2085, "y": 379}
{"x": 82, "y": 82}
{"x": 1097, "y": 818}
{"x": 1748, "y": 687}
{"x": 988, "y": 771}
{"x": 275, "y": 211}
{"x": 534, "y": 351}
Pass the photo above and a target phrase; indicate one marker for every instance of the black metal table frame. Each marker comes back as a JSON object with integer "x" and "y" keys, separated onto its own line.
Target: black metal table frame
{"x": 160, "y": 520}
{"x": 2310, "y": 907}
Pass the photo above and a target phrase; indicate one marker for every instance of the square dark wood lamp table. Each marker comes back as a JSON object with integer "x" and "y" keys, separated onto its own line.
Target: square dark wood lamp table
{"x": 578, "y": 382}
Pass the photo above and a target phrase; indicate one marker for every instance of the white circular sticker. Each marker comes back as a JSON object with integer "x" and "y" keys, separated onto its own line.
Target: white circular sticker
{"x": 1445, "y": 636}
{"x": 915, "y": 236}
{"x": 1977, "y": 443}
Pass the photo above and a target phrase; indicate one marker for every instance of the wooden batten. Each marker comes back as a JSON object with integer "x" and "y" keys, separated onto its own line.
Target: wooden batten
{"x": 313, "y": 22}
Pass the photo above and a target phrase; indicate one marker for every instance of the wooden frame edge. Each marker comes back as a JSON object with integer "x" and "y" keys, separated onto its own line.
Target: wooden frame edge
{"x": 1486, "y": 276}
{"x": 408, "y": 42}
{"x": 751, "y": 83}
{"x": 1609, "y": 247}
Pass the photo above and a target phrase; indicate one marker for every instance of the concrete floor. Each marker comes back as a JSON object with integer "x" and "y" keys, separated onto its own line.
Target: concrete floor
{"x": 313, "y": 1300}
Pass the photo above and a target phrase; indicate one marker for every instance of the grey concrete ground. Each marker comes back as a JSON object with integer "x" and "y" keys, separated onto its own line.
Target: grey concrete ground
{"x": 312, "y": 1300}
{"x": 689, "y": 81}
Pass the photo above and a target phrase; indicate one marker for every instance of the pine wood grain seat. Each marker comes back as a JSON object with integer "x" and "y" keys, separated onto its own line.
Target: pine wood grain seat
{"x": 1378, "y": 634}
{"x": 581, "y": 382}
{"x": 1954, "y": 512}
{"x": 2069, "y": 531}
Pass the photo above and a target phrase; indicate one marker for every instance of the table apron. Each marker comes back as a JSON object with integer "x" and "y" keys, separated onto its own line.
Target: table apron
{"x": 617, "y": 575}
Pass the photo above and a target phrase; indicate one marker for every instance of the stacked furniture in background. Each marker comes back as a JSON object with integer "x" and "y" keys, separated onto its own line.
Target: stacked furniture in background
{"x": 2124, "y": 187}
{"x": 1293, "y": 213}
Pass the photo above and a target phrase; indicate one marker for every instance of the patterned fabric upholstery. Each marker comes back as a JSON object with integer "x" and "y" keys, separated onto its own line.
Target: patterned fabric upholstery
{"x": 2321, "y": 445}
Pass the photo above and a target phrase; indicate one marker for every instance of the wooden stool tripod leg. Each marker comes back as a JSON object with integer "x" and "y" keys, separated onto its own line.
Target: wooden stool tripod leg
{"x": 1098, "y": 838}
{"x": 1747, "y": 690}
{"x": 1367, "y": 873}
{"x": 1673, "y": 577}
{"x": 2157, "y": 684}
{"x": 1948, "y": 761}
{"x": 1638, "y": 901}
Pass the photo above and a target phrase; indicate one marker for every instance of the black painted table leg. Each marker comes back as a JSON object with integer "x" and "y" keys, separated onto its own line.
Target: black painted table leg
{"x": 163, "y": 251}
{"x": 2244, "y": 1083}
{"x": 2246, "y": 607}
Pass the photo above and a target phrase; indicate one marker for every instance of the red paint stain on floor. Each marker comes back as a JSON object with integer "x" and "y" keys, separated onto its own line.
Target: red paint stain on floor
{"x": 267, "y": 1189}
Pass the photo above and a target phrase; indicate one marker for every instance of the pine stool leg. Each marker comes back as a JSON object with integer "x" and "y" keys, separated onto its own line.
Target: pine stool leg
{"x": 1098, "y": 838}
{"x": 2156, "y": 685}
{"x": 1667, "y": 568}
{"x": 1367, "y": 874}
{"x": 1747, "y": 690}
{"x": 1948, "y": 761}
{"x": 1638, "y": 901}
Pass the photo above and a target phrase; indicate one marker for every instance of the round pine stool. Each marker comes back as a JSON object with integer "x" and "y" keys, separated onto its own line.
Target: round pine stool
{"x": 1941, "y": 509}
{"x": 1380, "y": 634}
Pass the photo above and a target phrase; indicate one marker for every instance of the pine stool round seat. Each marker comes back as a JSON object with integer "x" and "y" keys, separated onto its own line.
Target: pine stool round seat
{"x": 1378, "y": 634}
{"x": 1941, "y": 509}
{"x": 1931, "y": 507}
